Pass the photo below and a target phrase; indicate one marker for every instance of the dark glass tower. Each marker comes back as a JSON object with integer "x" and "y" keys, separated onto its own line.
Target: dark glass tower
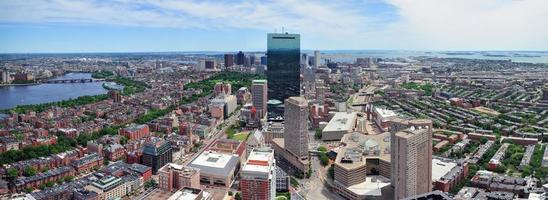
{"x": 283, "y": 73}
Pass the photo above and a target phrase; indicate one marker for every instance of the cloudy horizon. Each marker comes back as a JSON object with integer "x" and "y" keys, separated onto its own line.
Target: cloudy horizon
{"x": 168, "y": 25}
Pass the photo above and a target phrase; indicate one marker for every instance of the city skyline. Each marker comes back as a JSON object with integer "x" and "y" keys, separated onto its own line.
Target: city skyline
{"x": 164, "y": 26}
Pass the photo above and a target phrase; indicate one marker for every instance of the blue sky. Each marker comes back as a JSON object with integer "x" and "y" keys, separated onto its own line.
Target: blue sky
{"x": 192, "y": 25}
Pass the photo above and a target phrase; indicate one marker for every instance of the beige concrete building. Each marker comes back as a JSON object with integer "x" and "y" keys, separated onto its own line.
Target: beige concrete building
{"x": 173, "y": 177}
{"x": 296, "y": 164}
{"x": 342, "y": 123}
{"x": 362, "y": 166}
{"x": 296, "y": 126}
{"x": 411, "y": 158}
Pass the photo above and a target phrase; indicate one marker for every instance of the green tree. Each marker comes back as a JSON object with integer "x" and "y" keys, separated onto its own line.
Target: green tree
{"x": 123, "y": 140}
{"x": 318, "y": 134}
{"x": 322, "y": 149}
{"x": 238, "y": 196}
{"x": 50, "y": 184}
{"x": 324, "y": 160}
{"x": 29, "y": 171}
{"x": 12, "y": 173}
{"x": 69, "y": 178}
{"x": 150, "y": 183}
{"x": 483, "y": 139}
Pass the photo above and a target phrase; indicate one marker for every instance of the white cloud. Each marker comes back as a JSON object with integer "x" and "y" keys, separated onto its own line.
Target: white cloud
{"x": 473, "y": 24}
{"x": 421, "y": 24}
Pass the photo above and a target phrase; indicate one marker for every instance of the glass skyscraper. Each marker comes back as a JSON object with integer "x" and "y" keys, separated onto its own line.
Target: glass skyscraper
{"x": 283, "y": 73}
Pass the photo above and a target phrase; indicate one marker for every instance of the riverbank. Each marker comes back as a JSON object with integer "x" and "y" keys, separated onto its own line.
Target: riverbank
{"x": 19, "y": 84}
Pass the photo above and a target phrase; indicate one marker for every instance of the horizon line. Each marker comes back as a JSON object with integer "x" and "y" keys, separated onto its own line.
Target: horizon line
{"x": 259, "y": 51}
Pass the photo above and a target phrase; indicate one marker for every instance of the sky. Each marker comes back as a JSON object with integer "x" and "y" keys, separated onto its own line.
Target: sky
{"x": 50, "y": 26}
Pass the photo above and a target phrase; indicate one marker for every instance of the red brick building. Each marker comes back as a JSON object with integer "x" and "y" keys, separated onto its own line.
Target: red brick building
{"x": 135, "y": 132}
{"x": 87, "y": 163}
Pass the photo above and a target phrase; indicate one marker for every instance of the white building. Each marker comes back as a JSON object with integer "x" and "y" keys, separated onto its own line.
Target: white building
{"x": 342, "y": 123}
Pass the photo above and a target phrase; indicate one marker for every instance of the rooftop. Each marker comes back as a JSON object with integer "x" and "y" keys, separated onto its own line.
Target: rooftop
{"x": 259, "y": 160}
{"x": 215, "y": 163}
{"x": 441, "y": 167}
{"x": 358, "y": 147}
{"x": 385, "y": 113}
{"x": 371, "y": 186}
{"x": 188, "y": 194}
{"x": 342, "y": 121}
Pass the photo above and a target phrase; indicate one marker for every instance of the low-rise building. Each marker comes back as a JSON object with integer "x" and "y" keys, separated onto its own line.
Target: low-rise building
{"x": 446, "y": 173}
{"x": 135, "y": 132}
{"x": 110, "y": 187}
{"x": 191, "y": 194}
{"x": 496, "y": 160}
{"x": 216, "y": 168}
{"x": 341, "y": 123}
{"x": 174, "y": 177}
{"x": 88, "y": 163}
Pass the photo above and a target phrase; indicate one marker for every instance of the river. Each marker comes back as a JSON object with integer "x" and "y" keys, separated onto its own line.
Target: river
{"x": 12, "y": 96}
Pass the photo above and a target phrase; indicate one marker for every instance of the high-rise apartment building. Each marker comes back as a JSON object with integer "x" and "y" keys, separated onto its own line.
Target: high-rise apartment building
{"x": 259, "y": 92}
{"x": 5, "y": 77}
{"x": 156, "y": 153}
{"x": 411, "y": 158}
{"x": 283, "y": 62}
{"x": 258, "y": 175}
{"x": 229, "y": 60}
{"x": 296, "y": 126}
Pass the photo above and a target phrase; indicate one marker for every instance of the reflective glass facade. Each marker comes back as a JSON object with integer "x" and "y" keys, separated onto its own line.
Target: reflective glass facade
{"x": 283, "y": 74}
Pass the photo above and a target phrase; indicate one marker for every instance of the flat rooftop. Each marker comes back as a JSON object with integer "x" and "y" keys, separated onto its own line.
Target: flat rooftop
{"x": 259, "y": 162}
{"x": 371, "y": 186}
{"x": 215, "y": 163}
{"x": 360, "y": 147}
{"x": 385, "y": 113}
{"x": 440, "y": 168}
{"x": 342, "y": 121}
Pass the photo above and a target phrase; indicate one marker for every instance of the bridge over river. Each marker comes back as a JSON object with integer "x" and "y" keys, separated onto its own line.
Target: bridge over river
{"x": 80, "y": 80}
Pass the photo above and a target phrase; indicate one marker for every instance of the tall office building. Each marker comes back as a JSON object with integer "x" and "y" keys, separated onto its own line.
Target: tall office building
{"x": 263, "y": 60}
{"x": 251, "y": 60}
{"x": 156, "y": 153}
{"x": 316, "y": 59}
{"x": 304, "y": 60}
{"x": 411, "y": 158}
{"x": 296, "y": 126}
{"x": 259, "y": 90}
{"x": 229, "y": 60}
{"x": 283, "y": 73}
{"x": 258, "y": 176}
{"x": 240, "y": 58}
